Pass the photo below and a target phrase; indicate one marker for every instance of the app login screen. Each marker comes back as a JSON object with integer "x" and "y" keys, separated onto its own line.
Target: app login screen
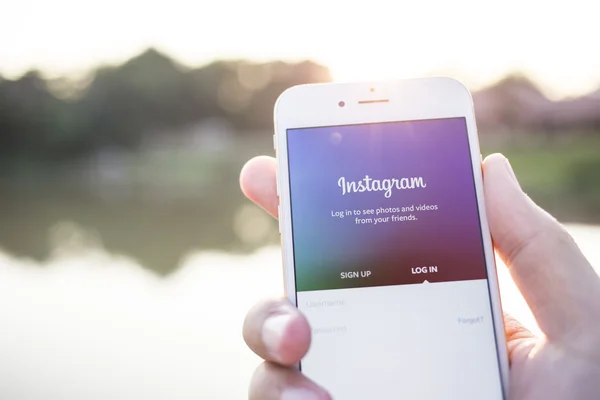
{"x": 389, "y": 262}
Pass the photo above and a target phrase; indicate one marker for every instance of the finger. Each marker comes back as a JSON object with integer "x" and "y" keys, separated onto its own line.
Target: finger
{"x": 258, "y": 182}
{"x": 277, "y": 332}
{"x": 556, "y": 280}
{"x": 273, "y": 382}
{"x": 519, "y": 340}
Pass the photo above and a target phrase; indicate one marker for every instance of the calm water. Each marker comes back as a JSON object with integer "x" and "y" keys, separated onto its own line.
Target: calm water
{"x": 91, "y": 325}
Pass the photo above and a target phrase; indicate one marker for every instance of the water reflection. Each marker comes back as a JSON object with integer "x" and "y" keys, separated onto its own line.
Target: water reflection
{"x": 154, "y": 206}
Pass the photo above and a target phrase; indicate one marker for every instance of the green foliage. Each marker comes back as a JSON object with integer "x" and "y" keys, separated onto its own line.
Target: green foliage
{"x": 148, "y": 95}
{"x": 564, "y": 179}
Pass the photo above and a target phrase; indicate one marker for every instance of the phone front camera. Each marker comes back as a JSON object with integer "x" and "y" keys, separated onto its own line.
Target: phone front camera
{"x": 341, "y": 104}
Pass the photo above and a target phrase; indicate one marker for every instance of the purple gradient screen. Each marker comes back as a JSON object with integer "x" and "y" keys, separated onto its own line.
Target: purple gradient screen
{"x": 432, "y": 214}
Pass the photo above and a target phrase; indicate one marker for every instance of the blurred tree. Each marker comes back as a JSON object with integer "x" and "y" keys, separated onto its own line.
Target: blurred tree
{"x": 151, "y": 94}
{"x": 148, "y": 95}
{"x": 31, "y": 119}
{"x": 514, "y": 103}
{"x": 259, "y": 113}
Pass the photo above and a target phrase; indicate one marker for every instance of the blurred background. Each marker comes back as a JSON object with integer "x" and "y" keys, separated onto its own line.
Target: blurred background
{"x": 128, "y": 253}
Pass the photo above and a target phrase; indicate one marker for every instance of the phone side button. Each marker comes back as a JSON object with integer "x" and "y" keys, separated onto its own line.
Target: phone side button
{"x": 481, "y": 163}
{"x": 274, "y": 142}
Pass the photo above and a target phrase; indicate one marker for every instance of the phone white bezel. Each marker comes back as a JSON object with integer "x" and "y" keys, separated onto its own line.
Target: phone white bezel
{"x": 317, "y": 105}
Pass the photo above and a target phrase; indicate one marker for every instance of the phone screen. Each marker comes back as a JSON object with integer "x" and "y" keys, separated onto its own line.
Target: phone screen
{"x": 389, "y": 261}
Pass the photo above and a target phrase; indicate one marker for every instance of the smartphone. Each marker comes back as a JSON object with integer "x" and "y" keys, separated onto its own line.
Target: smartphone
{"x": 386, "y": 245}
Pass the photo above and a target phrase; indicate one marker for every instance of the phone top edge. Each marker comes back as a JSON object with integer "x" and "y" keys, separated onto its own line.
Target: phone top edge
{"x": 324, "y": 104}
{"x": 440, "y": 82}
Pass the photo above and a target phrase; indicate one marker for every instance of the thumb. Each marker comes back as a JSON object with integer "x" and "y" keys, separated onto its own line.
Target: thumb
{"x": 556, "y": 280}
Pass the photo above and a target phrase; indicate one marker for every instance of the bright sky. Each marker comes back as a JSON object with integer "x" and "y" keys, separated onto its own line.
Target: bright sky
{"x": 477, "y": 41}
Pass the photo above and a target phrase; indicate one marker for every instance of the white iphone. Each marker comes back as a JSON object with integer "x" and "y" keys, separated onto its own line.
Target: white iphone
{"x": 386, "y": 245}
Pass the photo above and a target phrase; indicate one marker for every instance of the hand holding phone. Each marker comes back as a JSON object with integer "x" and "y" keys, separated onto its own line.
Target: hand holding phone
{"x": 551, "y": 273}
{"x": 387, "y": 251}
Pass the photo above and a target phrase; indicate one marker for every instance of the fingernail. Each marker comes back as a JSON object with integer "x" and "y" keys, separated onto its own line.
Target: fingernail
{"x": 299, "y": 394}
{"x": 273, "y": 330}
{"x": 510, "y": 171}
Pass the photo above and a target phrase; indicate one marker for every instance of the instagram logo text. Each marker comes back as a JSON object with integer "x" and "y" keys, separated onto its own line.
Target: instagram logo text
{"x": 368, "y": 184}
